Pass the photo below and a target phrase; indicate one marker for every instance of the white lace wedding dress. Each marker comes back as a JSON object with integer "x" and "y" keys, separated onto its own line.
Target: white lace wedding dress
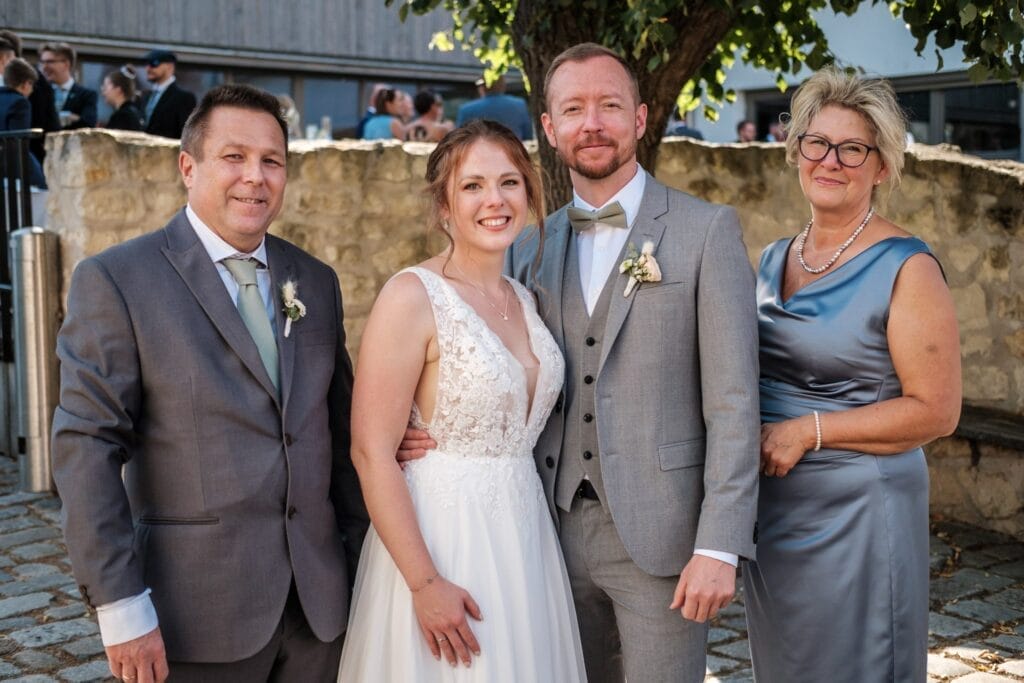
{"x": 482, "y": 512}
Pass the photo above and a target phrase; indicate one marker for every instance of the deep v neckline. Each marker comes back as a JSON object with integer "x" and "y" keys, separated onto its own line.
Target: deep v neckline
{"x": 781, "y": 272}
{"x": 531, "y": 397}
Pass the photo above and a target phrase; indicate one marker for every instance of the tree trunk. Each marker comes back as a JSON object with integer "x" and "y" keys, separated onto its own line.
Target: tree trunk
{"x": 703, "y": 23}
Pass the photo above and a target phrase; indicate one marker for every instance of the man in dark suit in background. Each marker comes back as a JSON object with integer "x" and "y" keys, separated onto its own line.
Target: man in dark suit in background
{"x": 167, "y": 105}
{"x": 44, "y": 112}
{"x": 76, "y": 104}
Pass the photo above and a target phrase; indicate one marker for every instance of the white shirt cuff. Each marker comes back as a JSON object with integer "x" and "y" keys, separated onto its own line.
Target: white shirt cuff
{"x": 126, "y": 619}
{"x": 719, "y": 555}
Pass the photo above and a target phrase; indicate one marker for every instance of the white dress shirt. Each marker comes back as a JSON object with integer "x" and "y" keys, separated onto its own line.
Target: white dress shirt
{"x": 133, "y": 617}
{"x": 599, "y": 248}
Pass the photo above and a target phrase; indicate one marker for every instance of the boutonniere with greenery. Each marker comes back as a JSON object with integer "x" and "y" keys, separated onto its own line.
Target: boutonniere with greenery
{"x": 641, "y": 266}
{"x": 293, "y": 307}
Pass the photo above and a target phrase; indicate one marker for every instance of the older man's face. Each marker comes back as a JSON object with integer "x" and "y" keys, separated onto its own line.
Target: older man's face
{"x": 237, "y": 187}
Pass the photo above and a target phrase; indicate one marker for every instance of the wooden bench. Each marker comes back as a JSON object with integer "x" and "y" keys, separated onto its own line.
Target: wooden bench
{"x": 990, "y": 426}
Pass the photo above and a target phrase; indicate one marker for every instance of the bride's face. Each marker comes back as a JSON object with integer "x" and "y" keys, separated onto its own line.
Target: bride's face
{"x": 488, "y": 206}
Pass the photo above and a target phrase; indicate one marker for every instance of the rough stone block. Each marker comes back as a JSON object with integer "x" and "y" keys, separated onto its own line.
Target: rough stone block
{"x": 93, "y": 671}
{"x": 85, "y": 648}
{"x": 716, "y": 665}
{"x": 32, "y": 569}
{"x": 24, "y": 603}
{"x": 1012, "y": 598}
{"x": 737, "y": 650}
{"x": 1012, "y": 666}
{"x": 949, "y": 628}
{"x": 34, "y": 660}
{"x": 966, "y": 583}
{"x": 34, "y": 584}
{"x": 1013, "y": 570}
{"x": 718, "y": 635}
{"x": 1008, "y": 643}
{"x": 984, "y": 612}
{"x": 983, "y": 677}
{"x": 27, "y": 536}
{"x": 741, "y": 676}
{"x": 8, "y": 669}
{"x": 57, "y": 632}
{"x": 23, "y": 521}
{"x": 15, "y": 622}
{"x": 36, "y": 551}
{"x": 944, "y": 667}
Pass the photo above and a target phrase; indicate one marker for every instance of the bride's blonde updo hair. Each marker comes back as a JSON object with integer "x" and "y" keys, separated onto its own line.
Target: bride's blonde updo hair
{"x": 447, "y": 157}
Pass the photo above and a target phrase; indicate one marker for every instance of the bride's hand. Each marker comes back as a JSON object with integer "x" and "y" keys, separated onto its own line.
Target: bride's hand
{"x": 441, "y": 609}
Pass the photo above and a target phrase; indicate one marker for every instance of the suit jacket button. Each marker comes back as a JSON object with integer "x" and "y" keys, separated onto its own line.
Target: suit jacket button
{"x": 291, "y": 511}
{"x": 589, "y": 379}
{"x": 587, "y": 417}
{"x": 550, "y": 462}
{"x": 287, "y": 439}
{"x": 587, "y": 455}
{"x": 591, "y": 341}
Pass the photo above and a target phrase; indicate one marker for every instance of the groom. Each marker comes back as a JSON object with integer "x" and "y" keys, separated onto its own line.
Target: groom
{"x": 201, "y": 443}
{"x": 650, "y": 459}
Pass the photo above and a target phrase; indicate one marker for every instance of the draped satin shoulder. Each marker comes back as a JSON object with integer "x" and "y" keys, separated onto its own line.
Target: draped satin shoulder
{"x": 839, "y": 589}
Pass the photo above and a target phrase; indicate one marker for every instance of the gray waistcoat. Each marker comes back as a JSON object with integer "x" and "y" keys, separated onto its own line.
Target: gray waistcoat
{"x": 584, "y": 335}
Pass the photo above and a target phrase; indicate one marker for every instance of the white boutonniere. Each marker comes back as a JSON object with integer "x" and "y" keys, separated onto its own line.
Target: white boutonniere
{"x": 293, "y": 308}
{"x": 642, "y": 267}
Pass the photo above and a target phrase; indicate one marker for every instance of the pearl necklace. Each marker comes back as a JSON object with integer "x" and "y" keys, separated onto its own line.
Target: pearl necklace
{"x": 839, "y": 251}
{"x": 503, "y": 314}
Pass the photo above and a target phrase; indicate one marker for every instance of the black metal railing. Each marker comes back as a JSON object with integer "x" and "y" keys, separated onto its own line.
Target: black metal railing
{"x": 16, "y": 213}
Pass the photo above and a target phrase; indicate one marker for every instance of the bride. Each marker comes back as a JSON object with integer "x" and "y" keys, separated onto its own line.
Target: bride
{"x": 461, "y": 576}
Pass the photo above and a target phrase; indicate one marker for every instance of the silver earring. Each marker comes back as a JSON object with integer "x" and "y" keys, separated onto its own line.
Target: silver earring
{"x": 444, "y": 224}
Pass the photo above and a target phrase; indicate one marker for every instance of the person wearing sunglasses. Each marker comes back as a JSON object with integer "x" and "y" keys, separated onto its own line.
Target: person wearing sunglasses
{"x": 860, "y": 366}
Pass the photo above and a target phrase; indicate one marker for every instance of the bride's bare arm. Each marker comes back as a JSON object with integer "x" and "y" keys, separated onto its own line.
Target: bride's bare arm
{"x": 397, "y": 343}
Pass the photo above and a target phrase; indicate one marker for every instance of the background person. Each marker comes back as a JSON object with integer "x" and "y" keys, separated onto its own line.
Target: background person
{"x": 393, "y": 108}
{"x": 167, "y": 105}
{"x": 429, "y": 125}
{"x": 860, "y": 366}
{"x": 15, "y": 110}
{"x": 76, "y": 104}
{"x": 496, "y": 105}
{"x": 118, "y": 90}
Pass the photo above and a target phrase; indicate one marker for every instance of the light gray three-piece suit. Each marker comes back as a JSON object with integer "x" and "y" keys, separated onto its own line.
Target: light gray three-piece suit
{"x": 660, "y": 415}
{"x": 232, "y": 491}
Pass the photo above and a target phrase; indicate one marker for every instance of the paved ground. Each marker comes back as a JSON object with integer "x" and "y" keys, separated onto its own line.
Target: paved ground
{"x": 46, "y": 633}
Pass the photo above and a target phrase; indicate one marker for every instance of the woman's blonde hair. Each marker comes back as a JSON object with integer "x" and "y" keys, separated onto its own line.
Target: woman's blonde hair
{"x": 873, "y": 99}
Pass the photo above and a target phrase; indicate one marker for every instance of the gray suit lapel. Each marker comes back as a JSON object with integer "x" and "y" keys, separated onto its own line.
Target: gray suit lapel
{"x": 281, "y": 270}
{"x": 647, "y": 228}
{"x": 551, "y": 272}
{"x": 187, "y": 255}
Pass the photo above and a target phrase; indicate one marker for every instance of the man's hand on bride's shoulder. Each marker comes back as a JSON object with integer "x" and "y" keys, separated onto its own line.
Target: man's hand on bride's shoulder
{"x": 415, "y": 444}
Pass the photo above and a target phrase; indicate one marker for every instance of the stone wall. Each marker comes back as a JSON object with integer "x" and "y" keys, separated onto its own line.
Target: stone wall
{"x": 358, "y": 206}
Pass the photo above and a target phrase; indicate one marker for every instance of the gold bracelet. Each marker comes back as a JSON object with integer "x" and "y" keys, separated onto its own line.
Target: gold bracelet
{"x": 429, "y": 581}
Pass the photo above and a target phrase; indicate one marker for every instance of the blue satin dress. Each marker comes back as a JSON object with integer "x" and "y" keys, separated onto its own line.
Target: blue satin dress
{"x": 839, "y": 588}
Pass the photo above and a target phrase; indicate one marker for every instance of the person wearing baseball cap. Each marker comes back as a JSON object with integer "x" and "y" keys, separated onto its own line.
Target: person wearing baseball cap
{"x": 167, "y": 105}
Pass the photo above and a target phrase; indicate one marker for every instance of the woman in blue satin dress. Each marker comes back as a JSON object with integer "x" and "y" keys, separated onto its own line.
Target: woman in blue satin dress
{"x": 860, "y": 366}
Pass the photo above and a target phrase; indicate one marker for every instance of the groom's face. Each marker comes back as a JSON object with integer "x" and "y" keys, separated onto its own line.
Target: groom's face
{"x": 593, "y": 118}
{"x": 237, "y": 186}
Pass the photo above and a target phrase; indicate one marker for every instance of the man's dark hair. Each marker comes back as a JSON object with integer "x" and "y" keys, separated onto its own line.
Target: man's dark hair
{"x": 62, "y": 49}
{"x": 13, "y": 38}
{"x": 230, "y": 95}
{"x": 741, "y": 124}
{"x": 19, "y": 72}
{"x": 424, "y": 101}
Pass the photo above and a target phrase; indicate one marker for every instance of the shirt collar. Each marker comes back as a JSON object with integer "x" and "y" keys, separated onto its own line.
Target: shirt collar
{"x": 630, "y": 196}
{"x": 66, "y": 85}
{"x": 216, "y": 247}
{"x": 160, "y": 87}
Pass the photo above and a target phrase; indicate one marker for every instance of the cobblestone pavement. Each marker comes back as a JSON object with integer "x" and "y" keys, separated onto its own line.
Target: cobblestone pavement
{"x": 46, "y": 634}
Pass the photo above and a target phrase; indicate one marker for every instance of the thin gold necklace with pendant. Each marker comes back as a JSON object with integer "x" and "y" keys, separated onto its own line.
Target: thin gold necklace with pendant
{"x": 503, "y": 314}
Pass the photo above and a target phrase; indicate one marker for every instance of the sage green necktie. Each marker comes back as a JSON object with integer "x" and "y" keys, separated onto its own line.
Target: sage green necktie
{"x": 254, "y": 312}
{"x": 612, "y": 215}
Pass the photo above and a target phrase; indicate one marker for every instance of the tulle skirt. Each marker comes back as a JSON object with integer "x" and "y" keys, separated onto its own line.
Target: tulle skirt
{"x": 489, "y": 531}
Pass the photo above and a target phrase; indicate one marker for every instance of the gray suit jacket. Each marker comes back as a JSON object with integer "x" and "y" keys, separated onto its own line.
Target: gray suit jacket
{"x": 676, "y": 389}
{"x": 228, "y": 492}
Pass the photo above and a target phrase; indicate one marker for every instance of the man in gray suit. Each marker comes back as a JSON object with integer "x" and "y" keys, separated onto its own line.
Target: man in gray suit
{"x": 650, "y": 460}
{"x": 201, "y": 444}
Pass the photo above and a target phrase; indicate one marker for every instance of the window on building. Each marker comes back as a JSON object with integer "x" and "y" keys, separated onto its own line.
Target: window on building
{"x": 334, "y": 98}
{"x": 984, "y": 120}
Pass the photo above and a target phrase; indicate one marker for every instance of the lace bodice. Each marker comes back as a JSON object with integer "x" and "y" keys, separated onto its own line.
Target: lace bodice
{"x": 481, "y": 405}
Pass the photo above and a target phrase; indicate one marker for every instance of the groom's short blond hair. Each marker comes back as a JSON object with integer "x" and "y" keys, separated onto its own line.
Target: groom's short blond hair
{"x": 582, "y": 53}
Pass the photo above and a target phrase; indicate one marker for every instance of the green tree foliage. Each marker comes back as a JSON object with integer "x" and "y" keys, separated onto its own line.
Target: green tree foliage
{"x": 681, "y": 49}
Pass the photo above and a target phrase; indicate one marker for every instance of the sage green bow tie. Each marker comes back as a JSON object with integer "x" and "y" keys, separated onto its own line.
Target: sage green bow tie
{"x": 612, "y": 215}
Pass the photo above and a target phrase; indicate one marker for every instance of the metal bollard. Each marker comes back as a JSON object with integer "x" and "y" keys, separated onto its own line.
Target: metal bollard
{"x": 35, "y": 278}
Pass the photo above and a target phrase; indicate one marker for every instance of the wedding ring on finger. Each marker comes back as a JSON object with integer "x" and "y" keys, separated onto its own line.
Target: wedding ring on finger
{"x": 442, "y": 639}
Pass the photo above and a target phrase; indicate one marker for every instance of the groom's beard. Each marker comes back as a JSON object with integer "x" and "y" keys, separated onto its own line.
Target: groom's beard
{"x": 595, "y": 170}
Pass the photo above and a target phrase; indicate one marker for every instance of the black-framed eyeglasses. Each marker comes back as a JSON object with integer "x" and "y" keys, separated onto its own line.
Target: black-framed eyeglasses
{"x": 850, "y": 153}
